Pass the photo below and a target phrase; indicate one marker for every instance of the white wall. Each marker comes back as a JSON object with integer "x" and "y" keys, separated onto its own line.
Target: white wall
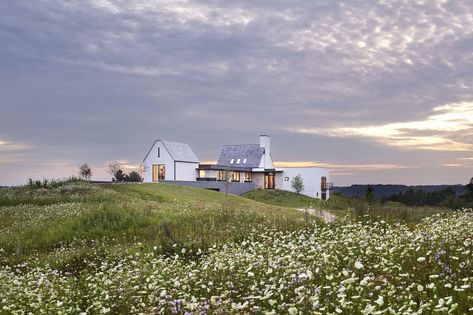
{"x": 186, "y": 171}
{"x": 152, "y": 158}
{"x": 311, "y": 177}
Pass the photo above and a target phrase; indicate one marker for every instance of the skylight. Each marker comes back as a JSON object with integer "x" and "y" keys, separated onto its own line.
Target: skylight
{"x": 232, "y": 160}
{"x": 244, "y": 161}
{"x": 238, "y": 161}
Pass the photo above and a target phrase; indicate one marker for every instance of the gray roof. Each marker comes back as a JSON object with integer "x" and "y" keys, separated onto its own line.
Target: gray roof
{"x": 180, "y": 151}
{"x": 251, "y": 152}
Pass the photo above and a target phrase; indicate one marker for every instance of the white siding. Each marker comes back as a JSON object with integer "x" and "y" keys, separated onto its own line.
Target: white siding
{"x": 186, "y": 171}
{"x": 152, "y": 158}
{"x": 258, "y": 179}
{"x": 311, "y": 177}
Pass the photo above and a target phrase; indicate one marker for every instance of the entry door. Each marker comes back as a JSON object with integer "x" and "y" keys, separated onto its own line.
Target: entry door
{"x": 159, "y": 172}
{"x": 269, "y": 180}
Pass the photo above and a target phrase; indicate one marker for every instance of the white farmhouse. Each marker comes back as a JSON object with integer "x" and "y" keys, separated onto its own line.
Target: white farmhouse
{"x": 170, "y": 161}
{"x": 246, "y": 167}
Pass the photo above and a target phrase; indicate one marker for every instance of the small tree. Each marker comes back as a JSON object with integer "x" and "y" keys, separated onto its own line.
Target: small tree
{"x": 134, "y": 177}
{"x": 85, "y": 171}
{"x": 120, "y": 176}
{"x": 370, "y": 194}
{"x": 297, "y": 184}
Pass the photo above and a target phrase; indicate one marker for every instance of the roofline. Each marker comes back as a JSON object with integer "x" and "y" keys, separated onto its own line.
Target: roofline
{"x": 234, "y": 145}
{"x": 151, "y": 149}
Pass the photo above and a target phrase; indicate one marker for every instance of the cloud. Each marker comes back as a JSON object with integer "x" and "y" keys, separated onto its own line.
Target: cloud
{"x": 439, "y": 131}
{"x": 343, "y": 166}
{"x": 97, "y": 80}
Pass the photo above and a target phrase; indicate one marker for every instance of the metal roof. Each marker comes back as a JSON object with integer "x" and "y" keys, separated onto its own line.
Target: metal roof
{"x": 178, "y": 151}
{"x": 251, "y": 152}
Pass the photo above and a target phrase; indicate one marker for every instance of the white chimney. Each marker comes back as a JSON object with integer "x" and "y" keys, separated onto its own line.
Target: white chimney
{"x": 265, "y": 142}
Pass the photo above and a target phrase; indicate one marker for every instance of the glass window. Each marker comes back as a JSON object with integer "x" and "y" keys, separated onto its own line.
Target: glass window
{"x": 201, "y": 173}
{"x": 221, "y": 175}
{"x": 248, "y": 177}
{"x": 159, "y": 152}
{"x": 286, "y": 179}
{"x": 238, "y": 161}
{"x": 235, "y": 176}
{"x": 232, "y": 160}
{"x": 244, "y": 161}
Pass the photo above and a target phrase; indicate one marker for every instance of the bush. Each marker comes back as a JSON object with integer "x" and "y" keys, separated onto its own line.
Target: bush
{"x": 134, "y": 177}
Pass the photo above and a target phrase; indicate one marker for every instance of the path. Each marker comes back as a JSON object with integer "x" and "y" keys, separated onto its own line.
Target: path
{"x": 325, "y": 215}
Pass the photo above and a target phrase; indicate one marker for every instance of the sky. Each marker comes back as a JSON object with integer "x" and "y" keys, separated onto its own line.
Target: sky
{"x": 377, "y": 91}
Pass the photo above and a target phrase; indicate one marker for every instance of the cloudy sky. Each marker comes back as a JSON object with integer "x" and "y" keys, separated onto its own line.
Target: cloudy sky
{"x": 378, "y": 91}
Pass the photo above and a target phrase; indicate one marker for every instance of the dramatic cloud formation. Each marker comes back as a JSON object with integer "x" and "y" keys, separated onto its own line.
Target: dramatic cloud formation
{"x": 448, "y": 129}
{"x": 342, "y": 83}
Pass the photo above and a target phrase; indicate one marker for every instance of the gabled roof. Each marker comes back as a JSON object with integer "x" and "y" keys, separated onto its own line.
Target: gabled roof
{"x": 251, "y": 152}
{"x": 178, "y": 151}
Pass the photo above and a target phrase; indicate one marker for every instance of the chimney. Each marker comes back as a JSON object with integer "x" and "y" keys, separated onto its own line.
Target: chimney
{"x": 265, "y": 142}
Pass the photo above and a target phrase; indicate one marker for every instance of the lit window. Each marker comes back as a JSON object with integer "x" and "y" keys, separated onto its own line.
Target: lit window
{"x": 244, "y": 161}
{"x": 235, "y": 176}
{"x": 286, "y": 179}
{"x": 222, "y": 175}
{"x": 248, "y": 177}
{"x": 238, "y": 161}
{"x": 232, "y": 160}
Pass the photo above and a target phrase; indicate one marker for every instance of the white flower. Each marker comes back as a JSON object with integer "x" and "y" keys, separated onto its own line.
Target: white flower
{"x": 358, "y": 265}
{"x": 380, "y": 300}
{"x": 292, "y": 310}
{"x": 420, "y": 288}
{"x": 421, "y": 259}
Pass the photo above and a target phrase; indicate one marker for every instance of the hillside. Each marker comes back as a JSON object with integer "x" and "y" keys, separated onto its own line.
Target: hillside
{"x": 76, "y": 248}
{"x": 346, "y": 207}
{"x": 47, "y": 222}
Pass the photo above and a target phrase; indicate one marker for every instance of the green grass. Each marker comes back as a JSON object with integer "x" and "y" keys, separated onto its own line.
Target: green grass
{"x": 354, "y": 209}
{"x": 43, "y": 222}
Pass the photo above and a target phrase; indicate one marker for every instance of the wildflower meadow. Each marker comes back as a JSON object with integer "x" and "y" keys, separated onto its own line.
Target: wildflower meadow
{"x": 345, "y": 267}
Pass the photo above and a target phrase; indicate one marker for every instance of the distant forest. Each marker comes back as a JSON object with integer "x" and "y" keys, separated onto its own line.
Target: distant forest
{"x": 456, "y": 196}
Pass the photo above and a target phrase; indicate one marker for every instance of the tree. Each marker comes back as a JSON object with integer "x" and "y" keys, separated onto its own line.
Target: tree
{"x": 120, "y": 176}
{"x": 470, "y": 186}
{"x": 113, "y": 167}
{"x": 85, "y": 171}
{"x": 134, "y": 177}
{"x": 370, "y": 194}
{"x": 297, "y": 184}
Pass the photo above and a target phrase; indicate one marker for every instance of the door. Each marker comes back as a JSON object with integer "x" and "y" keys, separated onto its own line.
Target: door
{"x": 159, "y": 172}
{"x": 269, "y": 180}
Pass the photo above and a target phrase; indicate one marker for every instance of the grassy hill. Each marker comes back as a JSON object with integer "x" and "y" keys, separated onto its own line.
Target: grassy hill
{"x": 59, "y": 224}
{"x": 72, "y": 248}
{"x": 351, "y": 208}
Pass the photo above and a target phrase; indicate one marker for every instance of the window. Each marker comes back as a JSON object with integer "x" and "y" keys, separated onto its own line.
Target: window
{"x": 238, "y": 161}
{"x": 159, "y": 172}
{"x": 221, "y": 176}
{"x": 201, "y": 173}
{"x": 248, "y": 177}
{"x": 286, "y": 179}
{"x": 244, "y": 161}
{"x": 162, "y": 172}
{"x": 235, "y": 176}
{"x": 159, "y": 152}
{"x": 232, "y": 160}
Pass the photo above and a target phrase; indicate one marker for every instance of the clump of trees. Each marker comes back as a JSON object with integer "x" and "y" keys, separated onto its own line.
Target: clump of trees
{"x": 118, "y": 175}
{"x": 446, "y": 197}
{"x": 297, "y": 184}
{"x": 85, "y": 172}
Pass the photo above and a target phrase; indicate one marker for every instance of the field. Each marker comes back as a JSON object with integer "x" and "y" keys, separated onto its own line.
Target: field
{"x": 150, "y": 248}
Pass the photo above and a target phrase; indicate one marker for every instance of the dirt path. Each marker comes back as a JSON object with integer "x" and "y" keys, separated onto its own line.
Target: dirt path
{"x": 325, "y": 215}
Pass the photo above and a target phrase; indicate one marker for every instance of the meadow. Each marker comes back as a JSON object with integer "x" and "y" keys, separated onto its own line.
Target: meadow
{"x": 162, "y": 249}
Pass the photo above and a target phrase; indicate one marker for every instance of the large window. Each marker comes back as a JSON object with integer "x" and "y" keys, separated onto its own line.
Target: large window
{"x": 235, "y": 176}
{"x": 269, "y": 180}
{"x": 248, "y": 177}
{"x": 159, "y": 172}
{"x": 221, "y": 176}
